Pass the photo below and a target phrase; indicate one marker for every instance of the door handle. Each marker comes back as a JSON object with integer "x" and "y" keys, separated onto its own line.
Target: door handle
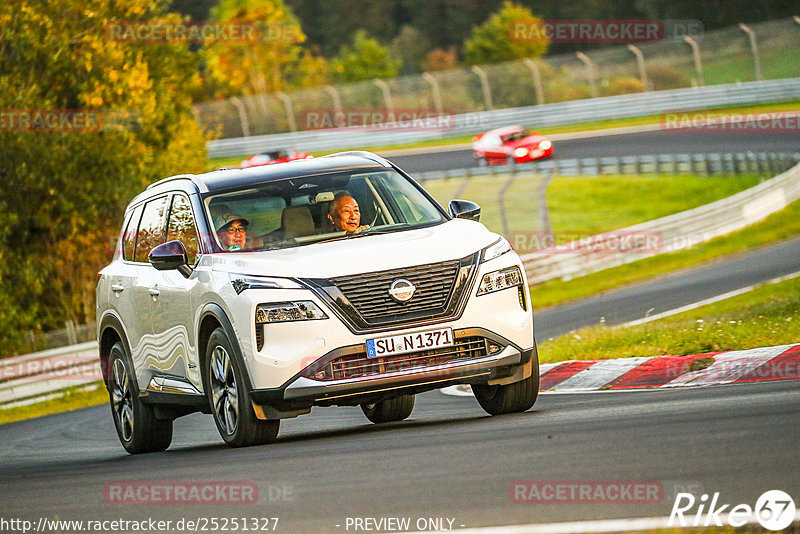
{"x": 116, "y": 288}
{"x": 154, "y": 292}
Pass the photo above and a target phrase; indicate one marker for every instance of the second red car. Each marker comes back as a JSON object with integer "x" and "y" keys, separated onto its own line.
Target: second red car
{"x": 511, "y": 144}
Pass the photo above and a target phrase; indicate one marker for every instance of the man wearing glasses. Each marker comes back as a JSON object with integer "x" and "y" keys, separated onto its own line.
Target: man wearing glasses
{"x": 233, "y": 233}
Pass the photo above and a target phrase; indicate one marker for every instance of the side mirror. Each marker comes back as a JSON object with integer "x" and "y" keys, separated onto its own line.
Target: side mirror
{"x": 464, "y": 209}
{"x": 169, "y": 256}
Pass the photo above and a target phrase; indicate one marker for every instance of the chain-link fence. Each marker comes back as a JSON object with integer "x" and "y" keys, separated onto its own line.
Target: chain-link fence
{"x": 763, "y": 51}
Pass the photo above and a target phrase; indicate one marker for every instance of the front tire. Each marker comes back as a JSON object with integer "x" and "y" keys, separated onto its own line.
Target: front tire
{"x": 510, "y": 398}
{"x": 229, "y": 397}
{"x": 389, "y": 410}
{"x": 137, "y": 426}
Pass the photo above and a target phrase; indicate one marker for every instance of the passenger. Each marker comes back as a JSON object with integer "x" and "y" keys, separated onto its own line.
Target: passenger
{"x": 344, "y": 215}
{"x": 233, "y": 233}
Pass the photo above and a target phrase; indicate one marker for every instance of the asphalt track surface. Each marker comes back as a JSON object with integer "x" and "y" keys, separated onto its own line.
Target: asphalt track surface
{"x": 630, "y": 144}
{"x": 449, "y": 460}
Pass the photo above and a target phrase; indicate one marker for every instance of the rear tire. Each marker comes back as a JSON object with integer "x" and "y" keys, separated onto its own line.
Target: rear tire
{"x": 137, "y": 426}
{"x": 223, "y": 378}
{"x": 510, "y": 398}
{"x": 389, "y": 410}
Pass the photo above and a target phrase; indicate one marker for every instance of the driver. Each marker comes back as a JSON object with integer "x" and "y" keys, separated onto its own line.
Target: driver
{"x": 233, "y": 232}
{"x": 344, "y": 215}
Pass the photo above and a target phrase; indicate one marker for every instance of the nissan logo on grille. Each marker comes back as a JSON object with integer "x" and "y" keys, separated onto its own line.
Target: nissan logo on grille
{"x": 402, "y": 290}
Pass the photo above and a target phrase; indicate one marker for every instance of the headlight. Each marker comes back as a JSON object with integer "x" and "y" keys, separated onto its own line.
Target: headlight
{"x": 520, "y": 152}
{"x": 241, "y": 282}
{"x": 499, "y": 280}
{"x": 545, "y": 145}
{"x": 283, "y": 312}
{"x": 496, "y": 249}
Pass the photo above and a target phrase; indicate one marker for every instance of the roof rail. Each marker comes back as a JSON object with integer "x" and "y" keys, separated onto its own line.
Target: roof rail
{"x": 364, "y": 154}
{"x": 170, "y": 179}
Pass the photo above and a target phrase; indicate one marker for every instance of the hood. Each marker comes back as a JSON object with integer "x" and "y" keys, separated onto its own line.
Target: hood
{"x": 451, "y": 240}
{"x": 531, "y": 140}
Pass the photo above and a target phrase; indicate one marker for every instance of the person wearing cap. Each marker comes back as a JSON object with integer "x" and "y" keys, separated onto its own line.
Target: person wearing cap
{"x": 233, "y": 233}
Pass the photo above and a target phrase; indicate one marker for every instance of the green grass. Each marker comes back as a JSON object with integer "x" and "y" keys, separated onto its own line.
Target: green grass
{"x": 233, "y": 162}
{"x": 767, "y": 316}
{"x": 777, "y": 227}
{"x": 589, "y": 204}
{"x": 72, "y": 399}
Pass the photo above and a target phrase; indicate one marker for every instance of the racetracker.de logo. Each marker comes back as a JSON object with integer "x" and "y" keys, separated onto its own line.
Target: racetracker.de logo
{"x": 184, "y": 32}
{"x": 717, "y": 121}
{"x": 68, "y": 120}
{"x": 586, "y": 491}
{"x": 378, "y": 119}
{"x": 601, "y": 31}
{"x": 577, "y": 242}
{"x": 171, "y": 493}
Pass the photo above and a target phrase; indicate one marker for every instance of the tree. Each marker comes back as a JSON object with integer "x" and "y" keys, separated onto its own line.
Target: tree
{"x": 66, "y": 185}
{"x": 276, "y": 61}
{"x": 410, "y": 47}
{"x": 493, "y": 42}
{"x": 364, "y": 59}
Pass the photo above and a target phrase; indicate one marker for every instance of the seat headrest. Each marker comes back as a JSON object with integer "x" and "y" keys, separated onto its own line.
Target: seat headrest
{"x": 296, "y": 221}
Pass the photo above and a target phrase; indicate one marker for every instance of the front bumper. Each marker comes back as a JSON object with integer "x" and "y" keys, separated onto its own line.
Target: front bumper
{"x": 306, "y": 391}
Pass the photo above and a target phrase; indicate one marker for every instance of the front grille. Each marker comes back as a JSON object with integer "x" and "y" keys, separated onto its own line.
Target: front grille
{"x": 358, "y": 365}
{"x": 369, "y": 293}
{"x": 365, "y": 301}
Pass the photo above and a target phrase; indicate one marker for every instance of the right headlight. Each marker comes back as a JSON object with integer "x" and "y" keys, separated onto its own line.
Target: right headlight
{"x": 496, "y": 249}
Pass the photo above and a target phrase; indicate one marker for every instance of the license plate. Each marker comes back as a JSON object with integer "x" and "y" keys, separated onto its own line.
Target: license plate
{"x": 401, "y": 344}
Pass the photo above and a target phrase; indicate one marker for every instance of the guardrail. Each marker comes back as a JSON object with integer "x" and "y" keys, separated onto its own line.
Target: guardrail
{"x": 42, "y": 375}
{"x": 696, "y": 163}
{"x": 673, "y": 232}
{"x": 572, "y": 112}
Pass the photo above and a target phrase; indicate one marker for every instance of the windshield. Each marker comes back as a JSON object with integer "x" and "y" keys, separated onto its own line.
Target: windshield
{"x": 302, "y": 211}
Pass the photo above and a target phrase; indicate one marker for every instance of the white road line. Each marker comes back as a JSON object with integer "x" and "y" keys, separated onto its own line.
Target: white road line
{"x": 707, "y": 301}
{"x": 633, "y": 524}
{"x": 688, "y": 307}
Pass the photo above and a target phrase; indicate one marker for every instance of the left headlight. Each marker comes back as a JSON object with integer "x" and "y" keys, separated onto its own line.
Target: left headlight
{"x": 499, "y": 280}
{"x": 282, "y": 312}
{"x": 545, "y": 145}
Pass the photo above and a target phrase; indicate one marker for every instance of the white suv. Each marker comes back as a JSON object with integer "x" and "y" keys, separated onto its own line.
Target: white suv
{"x": 256, "y": 294}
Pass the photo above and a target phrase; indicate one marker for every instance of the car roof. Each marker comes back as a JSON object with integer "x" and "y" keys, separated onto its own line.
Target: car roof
{"x": 227, "y": 178}
{"x": 505, "y": 130}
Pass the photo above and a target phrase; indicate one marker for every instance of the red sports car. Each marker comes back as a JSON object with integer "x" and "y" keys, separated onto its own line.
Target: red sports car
{"x": 511, "y": 144}
{"x": 276, "y": 156}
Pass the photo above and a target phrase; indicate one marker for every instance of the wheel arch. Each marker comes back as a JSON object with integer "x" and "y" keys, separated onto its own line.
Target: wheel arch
{"x": 212, "y": 317}
{"x": 111, "y": 331}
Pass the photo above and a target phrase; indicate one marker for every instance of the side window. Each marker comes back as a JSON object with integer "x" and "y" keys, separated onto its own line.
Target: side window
{"x": 181, "y": 226}
{"x": 151, "y": 229}
{"x": 129, "y": 237}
